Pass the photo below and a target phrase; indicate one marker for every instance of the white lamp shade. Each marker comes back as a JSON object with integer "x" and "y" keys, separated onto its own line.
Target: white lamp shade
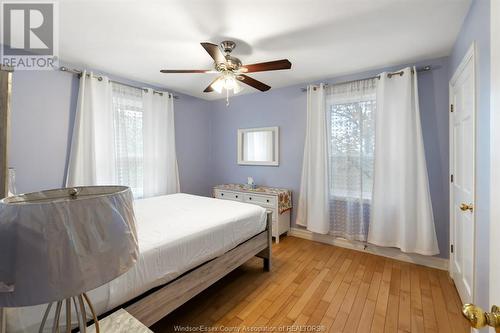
{"x": 54, "y": 245}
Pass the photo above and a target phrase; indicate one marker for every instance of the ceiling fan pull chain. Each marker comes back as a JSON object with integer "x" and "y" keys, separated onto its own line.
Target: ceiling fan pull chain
{"x": 227, "y": 97}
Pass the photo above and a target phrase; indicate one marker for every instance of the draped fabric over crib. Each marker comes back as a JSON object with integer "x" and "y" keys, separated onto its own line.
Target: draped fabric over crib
{"x": 401, "y": 213}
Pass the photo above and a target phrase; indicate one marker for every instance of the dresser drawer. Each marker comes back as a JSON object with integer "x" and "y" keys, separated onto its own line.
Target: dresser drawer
{"x": 228, "y": 195}
{"x": 263, "y": 200}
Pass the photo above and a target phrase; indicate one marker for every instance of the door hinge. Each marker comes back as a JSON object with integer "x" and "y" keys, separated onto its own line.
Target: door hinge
{"x": 451, "y": 178}
{"x": 451, "y": 248}
{"x": 452, "y": 108}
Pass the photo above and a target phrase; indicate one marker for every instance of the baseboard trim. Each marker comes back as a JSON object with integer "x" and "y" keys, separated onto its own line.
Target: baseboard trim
{"x": 434, "y": 262}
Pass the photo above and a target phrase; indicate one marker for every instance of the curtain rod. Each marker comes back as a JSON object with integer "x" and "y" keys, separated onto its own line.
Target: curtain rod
{"x": 389, "y": 75}
{"x": 78, "y": 72}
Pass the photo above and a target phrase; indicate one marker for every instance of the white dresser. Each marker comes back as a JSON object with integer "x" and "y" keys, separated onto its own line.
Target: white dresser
{"x": 279, "y": 201}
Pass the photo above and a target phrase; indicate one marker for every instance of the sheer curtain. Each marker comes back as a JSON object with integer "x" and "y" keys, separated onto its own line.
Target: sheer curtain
{"x": 92, "y": 153}
{"x": 161, "y": 175}
{"x": 128, "y": 131}
{"x": 402, "y": 211}
{"x": 351, "y": 121}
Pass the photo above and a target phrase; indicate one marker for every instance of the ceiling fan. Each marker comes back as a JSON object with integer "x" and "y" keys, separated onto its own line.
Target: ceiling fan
{"x": 231, "y": 69}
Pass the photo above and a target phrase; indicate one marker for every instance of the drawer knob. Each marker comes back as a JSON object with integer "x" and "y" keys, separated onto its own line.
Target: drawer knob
{"x": 222, "y": 194}
{"x": 250, "y": 198}
{"x": 236, "y": 196}
{"x": 267, "y": 200}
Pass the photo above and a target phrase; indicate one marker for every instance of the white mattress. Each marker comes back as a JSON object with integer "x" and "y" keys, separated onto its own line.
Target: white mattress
{"x": 176, "y": 233}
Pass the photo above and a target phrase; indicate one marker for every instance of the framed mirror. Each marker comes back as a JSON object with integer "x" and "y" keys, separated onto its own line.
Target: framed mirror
{"x": 258, "y": 146}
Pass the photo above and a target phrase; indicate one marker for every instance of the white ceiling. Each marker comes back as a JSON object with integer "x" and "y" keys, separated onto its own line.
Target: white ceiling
{"x": 322, "y": 38}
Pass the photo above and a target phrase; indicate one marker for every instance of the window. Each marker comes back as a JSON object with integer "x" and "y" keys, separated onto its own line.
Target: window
{"x": 128, "y": 116}
{"x": 351, "y": 145}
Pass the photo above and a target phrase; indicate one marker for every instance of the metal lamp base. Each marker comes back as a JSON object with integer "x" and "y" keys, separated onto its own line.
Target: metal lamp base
{"x": 80, "y": 303}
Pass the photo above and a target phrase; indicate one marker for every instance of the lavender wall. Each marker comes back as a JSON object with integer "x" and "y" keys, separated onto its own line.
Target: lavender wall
{"x": 43, "y": 108}
{"x": 193, "y": 143}
{"x": 476, "y": 28}
{"x": 286, "y": 108}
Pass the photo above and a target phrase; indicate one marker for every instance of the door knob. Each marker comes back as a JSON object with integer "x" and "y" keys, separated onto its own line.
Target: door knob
{"x": 478, "y": 318}
{"x": 465, "y": 207}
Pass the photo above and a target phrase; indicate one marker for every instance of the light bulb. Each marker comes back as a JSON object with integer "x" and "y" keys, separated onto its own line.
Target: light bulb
{"x": 229, "y": 82}
{"x": 218, "y": 85}
{"x": 237, "y": 87}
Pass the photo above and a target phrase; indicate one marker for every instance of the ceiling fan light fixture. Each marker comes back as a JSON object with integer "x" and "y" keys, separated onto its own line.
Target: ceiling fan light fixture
{"x": 237, "y": 88}
{"x": 227, "y": 82}
{"x": 218, "y": 85}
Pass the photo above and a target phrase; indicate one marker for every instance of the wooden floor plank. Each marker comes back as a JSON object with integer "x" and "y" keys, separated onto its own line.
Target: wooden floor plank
{"x": 439, "y": 303}
{"x": 306, "y": 296}
{"x": 350, "y": 297}
{"x": 317, "y": 284}
{"x": 365, "y": 321}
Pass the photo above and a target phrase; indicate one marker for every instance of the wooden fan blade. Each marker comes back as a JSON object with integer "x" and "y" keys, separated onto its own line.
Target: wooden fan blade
{"x": 176, "y": 71}
{"x": 214, "y": 51}
{"x": 253, "y": 82}
{"x": 209, "y": 88}
{"x": 267, "y": 66}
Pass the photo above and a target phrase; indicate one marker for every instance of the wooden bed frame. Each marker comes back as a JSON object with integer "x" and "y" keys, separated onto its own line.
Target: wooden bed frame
{"x": 156, "y": 305}
{"x": 153, "y": 306}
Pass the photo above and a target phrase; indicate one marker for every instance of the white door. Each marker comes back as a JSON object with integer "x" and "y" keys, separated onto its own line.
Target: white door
{"x": 462, "y": 157}
{"x": 495, "y": 156}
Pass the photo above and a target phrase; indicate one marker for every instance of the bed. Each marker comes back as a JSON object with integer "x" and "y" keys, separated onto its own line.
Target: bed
{"x": 186, "y": 243}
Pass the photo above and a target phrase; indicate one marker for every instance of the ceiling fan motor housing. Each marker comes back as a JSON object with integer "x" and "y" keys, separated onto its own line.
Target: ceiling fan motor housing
{"x": 227, "y": 46}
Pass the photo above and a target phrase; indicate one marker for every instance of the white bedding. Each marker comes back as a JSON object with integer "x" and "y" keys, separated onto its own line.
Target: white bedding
{"x": 176, "y": 233}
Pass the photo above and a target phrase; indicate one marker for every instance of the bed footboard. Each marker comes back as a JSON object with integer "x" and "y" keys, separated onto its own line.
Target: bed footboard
{"x": 266, "y": 253}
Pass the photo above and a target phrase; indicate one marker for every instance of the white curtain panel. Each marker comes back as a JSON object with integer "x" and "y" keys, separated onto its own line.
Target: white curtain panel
{"x": 351, "y": 133}
{"x": 161, "y": 175}
{"x": 92, "y": 153}
{"x": 401, "y": 213}
{"x": 313, "y": 210}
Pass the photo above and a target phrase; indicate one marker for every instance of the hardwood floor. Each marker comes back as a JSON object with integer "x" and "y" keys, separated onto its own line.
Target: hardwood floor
{"x": 331, "y": 289}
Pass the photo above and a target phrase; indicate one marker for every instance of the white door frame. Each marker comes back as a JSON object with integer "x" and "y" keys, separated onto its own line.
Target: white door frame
{"x": 494, "y": 287}
{"x": 469, "y": 56}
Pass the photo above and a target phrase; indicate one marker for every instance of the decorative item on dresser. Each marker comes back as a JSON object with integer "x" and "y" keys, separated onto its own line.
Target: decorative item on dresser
{"x": 277, "y": 200}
